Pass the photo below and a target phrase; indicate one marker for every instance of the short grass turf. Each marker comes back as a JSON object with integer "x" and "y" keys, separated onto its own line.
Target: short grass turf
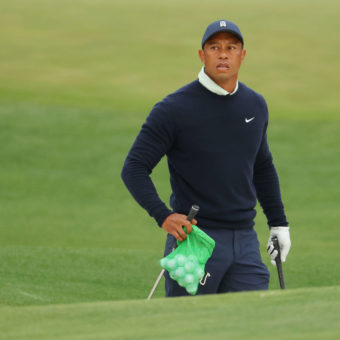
{"x": 308, "y": 313}
{"x": 77, "y": 81}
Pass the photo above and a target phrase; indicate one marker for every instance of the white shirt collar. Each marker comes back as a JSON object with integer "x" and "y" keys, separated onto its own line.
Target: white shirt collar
{"x": 209, "y": 84}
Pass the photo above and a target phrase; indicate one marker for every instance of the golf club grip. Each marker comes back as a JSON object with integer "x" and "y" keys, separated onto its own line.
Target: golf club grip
{"x": 193, "y": 212}
{"x": 278, "y": 262}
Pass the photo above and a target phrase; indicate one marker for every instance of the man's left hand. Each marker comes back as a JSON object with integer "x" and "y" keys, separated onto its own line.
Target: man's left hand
{"x": 283, "y": 237}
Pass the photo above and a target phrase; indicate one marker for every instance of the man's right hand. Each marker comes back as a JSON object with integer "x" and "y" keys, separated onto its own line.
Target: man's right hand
{"x": 174, "y": 224}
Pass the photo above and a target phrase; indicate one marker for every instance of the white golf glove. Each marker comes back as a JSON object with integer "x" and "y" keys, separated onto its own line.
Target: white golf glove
{"x": 283, "y": 237}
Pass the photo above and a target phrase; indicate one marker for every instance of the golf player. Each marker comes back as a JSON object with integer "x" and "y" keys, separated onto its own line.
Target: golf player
{"x": 214, "y": 134}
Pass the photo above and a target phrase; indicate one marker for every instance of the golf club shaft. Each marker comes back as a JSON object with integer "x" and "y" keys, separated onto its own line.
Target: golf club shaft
{"x": 279, "y": 263}
{"x": 156, "y": 283}
{"x": 192, "y": 213}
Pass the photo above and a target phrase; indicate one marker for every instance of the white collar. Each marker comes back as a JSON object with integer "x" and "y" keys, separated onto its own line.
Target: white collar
{"x": 209, "y": 84}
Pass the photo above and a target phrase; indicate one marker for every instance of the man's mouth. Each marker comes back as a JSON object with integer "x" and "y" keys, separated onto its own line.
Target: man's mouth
{"x": 223, "y": 67}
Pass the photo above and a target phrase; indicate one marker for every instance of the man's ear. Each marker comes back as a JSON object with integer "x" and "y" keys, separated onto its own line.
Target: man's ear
{"x": 201, "y": 55}
{"x": 244, "y": 52}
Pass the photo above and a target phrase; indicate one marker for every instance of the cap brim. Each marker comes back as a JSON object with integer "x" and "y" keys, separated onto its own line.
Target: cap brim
{"x": 227, "y": 31}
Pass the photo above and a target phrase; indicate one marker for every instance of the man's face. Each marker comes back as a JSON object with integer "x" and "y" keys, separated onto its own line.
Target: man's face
{"x": 222, "y": 56}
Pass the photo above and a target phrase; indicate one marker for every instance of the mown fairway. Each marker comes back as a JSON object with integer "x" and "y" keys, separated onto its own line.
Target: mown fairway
{"x": 77, "y": 81}
{"x": 304, "y": 314}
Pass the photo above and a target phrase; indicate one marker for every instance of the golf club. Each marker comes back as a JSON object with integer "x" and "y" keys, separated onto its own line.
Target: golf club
{"x": 192, "y": 213}
{"x": 278, "y": 262}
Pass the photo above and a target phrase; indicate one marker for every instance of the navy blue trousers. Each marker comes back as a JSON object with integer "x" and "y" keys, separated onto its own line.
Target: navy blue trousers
{"x": 235, "y": 264}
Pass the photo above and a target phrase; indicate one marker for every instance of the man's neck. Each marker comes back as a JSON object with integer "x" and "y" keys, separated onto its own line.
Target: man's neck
{"x": 214, "y": 87}
{"x": 227, "y": 84}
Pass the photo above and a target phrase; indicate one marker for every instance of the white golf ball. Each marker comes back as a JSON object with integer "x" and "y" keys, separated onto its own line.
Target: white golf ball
{"x": 181, "y": 282}
{"x": 163, "y": 262}
{"x": 179, "y": 273}
{"x": 171, "y": 264}
{"x": 199, "y": 272}
{"x": 173, "y": 274}
{"x": 189, "y": 279}
{"x": 191, "y": 289}
{"x": 180, "y": 259}
{"x": 190, "y": 266}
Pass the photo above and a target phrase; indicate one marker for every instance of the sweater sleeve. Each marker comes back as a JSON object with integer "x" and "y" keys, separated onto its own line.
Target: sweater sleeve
{"x": 267, "y": 185}
{"x": 152, "y": 143}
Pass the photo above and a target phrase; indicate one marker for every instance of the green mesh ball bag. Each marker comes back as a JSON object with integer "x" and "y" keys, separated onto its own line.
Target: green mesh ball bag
{"x": 186, "y": 263}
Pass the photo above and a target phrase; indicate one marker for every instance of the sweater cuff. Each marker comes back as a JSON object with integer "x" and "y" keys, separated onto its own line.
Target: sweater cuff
{"x": 162, "y": 215}
{"x": 276, "y": 217}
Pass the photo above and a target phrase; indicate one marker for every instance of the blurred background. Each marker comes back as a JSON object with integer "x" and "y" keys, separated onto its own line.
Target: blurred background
{"x": 77, "y": 80}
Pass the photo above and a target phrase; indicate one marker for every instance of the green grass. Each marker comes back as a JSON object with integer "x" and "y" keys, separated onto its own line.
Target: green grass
{"x": 63, "y": 195}
{"x": 296, "y": 314}
{"x": 77, "y": 81}
{"x": 103, "y": 53}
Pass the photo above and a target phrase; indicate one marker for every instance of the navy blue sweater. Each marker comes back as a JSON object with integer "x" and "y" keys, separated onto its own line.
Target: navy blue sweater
{"x": 218, "y": 158}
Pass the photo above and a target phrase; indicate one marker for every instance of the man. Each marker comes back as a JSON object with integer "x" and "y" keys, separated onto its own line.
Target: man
{"x": 214, "y": 134}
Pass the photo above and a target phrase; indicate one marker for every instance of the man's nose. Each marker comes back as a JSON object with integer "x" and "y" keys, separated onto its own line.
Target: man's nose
{"x": 224, "y": 54}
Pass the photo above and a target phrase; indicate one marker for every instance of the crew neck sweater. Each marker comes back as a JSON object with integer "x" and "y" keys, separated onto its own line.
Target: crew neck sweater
{"x": 218, "y": 158}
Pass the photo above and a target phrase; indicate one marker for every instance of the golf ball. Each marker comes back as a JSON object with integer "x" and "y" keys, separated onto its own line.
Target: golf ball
{"x": 181, "y": 282}
{"x": 190, "y": 266}
{"x": 173, "y": 274}
{"x": 189, "y": 278}
{"x": 179, "y": 272}
{"x": 180, "y": 259}
{"x": 191, "y": 289}
{"x": 199, "y": 272}
{"x": 171, "y": 264}
{"x": 163, "y": 262}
